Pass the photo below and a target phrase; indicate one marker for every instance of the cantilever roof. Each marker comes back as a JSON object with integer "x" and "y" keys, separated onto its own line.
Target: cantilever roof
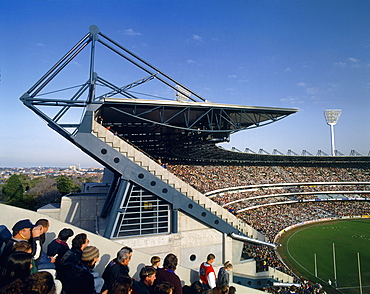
{"x": 198, "y": 104}
{"x": 159, "y": 127}
{"x": 201, "y": 116}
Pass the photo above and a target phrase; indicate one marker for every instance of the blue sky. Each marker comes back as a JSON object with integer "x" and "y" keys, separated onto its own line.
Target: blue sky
{"x": 311, "y": 55}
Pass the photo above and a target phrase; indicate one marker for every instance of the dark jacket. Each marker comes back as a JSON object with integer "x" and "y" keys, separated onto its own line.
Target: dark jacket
{"x": 70, "y": 259}
{"x": 222, "y": 277}
{"x": 78, "y": 280}
{"x": 164, "y": 275}
{"x": 57, "y": 247}
{"x": 7, "y": 250}
{"x": 140, "y": 288}
{"x": 112, "y": 272}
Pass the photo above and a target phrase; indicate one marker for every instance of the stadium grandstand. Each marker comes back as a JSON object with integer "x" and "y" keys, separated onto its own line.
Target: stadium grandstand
{"x": 168, "y": 187}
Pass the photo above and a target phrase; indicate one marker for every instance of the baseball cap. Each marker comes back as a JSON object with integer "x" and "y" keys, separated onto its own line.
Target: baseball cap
{"x": 23, "y": 224}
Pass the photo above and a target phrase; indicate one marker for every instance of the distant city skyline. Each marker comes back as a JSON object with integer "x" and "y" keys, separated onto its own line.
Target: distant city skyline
{"x": 310, "y": 55}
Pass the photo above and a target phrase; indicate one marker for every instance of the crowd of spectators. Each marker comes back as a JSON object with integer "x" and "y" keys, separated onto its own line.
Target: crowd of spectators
{"x": 271, "y": 219}
{"x": 26, "y": 269}
{"x": 206, "y": 178}
{"x": 305, "y": 288}
{"x": 294, "y": 192}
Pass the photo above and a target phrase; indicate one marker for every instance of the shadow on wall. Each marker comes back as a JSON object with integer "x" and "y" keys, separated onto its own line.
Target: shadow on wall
{"x": 108, "y": 249}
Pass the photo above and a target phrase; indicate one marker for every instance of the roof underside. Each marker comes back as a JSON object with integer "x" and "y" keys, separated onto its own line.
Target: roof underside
{"x": 187, "y": 132}
{"x": 173, "y": 130}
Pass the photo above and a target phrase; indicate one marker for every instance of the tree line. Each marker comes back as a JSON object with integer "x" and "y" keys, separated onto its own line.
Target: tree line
{"x": 33, "y": 193}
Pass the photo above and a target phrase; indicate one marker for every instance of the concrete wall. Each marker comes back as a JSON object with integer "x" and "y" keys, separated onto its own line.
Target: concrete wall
{"x": 83, "y": 211}
{"x": 191, "y": 244}
{"x": 247, "y": 268}
{"x": 10, "y": 215}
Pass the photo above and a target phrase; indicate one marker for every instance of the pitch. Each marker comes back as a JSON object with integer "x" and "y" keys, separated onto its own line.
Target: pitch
{"x": 351, "y": 239}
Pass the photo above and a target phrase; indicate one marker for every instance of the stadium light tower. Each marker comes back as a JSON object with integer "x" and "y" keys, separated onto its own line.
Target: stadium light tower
{"x": 332, "y": 116}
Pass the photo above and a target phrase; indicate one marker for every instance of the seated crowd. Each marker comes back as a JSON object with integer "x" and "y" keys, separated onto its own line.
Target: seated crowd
{"x": 294, "y": 193}
{"x": 25, "y": 268}
{"x": 206, "y": 178}
{"x": 271, "y": 219}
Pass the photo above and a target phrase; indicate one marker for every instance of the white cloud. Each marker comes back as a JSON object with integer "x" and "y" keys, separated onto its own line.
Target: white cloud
{"x": 190, "y": 61}
{"x": 243, "y": 81}
{"x": 340, "y": 64}
{"x": 312, "y": 91}
{"x": 288, "y": 69}
{"x": 232, "y": 76}
{"x": 301, "y": 84}
{"x": 353, "y": 60}
{"x": 197, "y": 38}
{"x": 291, "y": 100}
{"x": 40, "y": 45}
{"x": 131, "y": 32}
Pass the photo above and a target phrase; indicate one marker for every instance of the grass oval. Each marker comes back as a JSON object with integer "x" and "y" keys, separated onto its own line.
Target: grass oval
{"x": 350, "y": 238}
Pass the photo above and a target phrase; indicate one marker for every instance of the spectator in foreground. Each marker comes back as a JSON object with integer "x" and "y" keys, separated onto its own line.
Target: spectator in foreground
{"x": 58, "y": 247}
{"x": 123, "y": 285}
{"x": 26, "y": 247}
{"x": 44, "y": 262}
{"x": 155, "y": 261}
{"x": 167, "y": 273}
{"x": 23, "y": 230}
{"x": 16, "y": 266}
{"x": 73, "y": 256}
{"x": 80, "y": 278}
{"x": 207, "y": 273}
{"x": 147, "y": 278}
{"x": 38, "y": 283}
{"x": 118, "y": 267}
{"x": 164, "y": 288}
{"x": 41, "y": 283}
{"x": 223, "y": 275}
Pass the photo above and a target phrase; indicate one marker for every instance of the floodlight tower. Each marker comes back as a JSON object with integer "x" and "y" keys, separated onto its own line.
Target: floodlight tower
{"x": 332, "y": 116}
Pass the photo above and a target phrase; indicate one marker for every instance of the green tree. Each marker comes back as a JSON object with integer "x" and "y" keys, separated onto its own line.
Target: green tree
{"x": 13, "y": 188}
{"x": 64, "y": 185}
{"x": 13, "y": 192}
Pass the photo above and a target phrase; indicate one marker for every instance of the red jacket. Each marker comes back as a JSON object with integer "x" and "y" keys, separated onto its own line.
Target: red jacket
{"x": 207, "y": 274}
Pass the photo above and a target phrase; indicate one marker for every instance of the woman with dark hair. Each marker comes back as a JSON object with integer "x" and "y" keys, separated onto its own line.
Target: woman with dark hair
{"x": 15, "y": 287}
{"x": 165, "y": 288}
{"x": 39, "y": 283}
{"x": 167, "y": 273}
{"x": 58, "y": 247}
{"x": 122, "y": 285}
{"x": 73, "y": 256}
{"x": 26, "y": 247}
{"x": 17, "y": 266}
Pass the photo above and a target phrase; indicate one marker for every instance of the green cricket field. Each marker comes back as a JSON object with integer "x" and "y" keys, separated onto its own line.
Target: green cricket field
{"x": 337, "y": 250}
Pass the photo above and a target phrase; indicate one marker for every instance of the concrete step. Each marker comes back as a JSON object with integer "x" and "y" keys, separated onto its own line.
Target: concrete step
{"x": 163, "y": 174}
